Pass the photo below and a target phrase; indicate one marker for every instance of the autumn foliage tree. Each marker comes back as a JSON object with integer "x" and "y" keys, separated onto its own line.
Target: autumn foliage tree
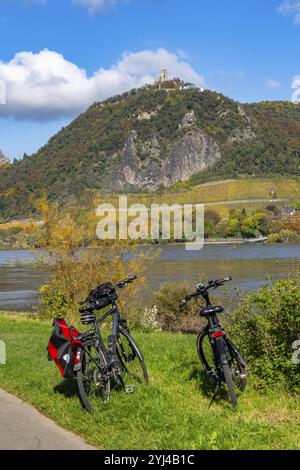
{"x": 75, "y": 269}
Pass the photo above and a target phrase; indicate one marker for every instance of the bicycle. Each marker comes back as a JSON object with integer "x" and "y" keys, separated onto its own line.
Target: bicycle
{"x": 220, "y": 358}
{"x": 99, "y": 368}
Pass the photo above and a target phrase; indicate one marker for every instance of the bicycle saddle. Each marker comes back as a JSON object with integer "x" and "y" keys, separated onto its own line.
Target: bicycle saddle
{"x": 211, "y": 310}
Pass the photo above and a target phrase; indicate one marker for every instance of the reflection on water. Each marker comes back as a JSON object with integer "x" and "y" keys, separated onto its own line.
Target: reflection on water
{"x": 19, "y": 281}
{"x": 250, "y": 266}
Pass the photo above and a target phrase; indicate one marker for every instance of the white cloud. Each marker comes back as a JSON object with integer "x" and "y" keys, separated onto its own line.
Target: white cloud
{"x": 291, "y": 7}
{"x": 273, "y": 84}
{"x": 92, "y": 6}
{"x": 45, "y": 85}
{"x": 27, "y": 2}
{"x": 95, "y": 6}
{"x": 296, "y": 88}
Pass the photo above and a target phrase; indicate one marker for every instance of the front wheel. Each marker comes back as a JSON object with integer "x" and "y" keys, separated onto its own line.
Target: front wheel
{"x": 92, "y": 382}
{"x": 130, "y": 357}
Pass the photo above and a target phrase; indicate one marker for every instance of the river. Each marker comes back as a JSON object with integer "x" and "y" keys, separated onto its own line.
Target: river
{"x": 250, "y": 265}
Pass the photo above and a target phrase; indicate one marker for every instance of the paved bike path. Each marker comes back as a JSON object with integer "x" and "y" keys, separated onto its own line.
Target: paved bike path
{"x": 22, "y": 427}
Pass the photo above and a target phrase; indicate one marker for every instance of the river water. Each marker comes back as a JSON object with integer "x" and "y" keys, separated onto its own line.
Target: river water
{"x": 250, "y": 266}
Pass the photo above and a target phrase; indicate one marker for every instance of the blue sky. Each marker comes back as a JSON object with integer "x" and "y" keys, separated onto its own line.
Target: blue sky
{"x": 58, "y": 56}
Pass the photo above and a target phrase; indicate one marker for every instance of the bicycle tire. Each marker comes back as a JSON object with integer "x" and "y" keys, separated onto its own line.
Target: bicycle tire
{"x": 208, "y": 363}
{"x": 240, "y": 371}
{"x": 230, "y": 385}
{"x": 212, "y": 369}
{"x": 130, "y": 357}
{"x": 87, "y": 380}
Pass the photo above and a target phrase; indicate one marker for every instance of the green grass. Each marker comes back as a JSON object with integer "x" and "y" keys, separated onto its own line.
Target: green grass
{"x": 171, "y": 413}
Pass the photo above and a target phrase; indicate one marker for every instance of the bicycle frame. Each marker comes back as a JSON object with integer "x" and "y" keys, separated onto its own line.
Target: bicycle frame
{"x": 220, "y": 344}
{"x": 95, "y": 333}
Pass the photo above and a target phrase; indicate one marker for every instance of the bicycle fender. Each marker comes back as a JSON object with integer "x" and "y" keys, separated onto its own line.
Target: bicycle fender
{"x": 127, "y": 334}
{"x": 78, "y": 359}
{"x": 221, "y": 349}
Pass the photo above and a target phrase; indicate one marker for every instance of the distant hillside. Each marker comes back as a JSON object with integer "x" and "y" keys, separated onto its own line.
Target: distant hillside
{"x": 146, "y": 139}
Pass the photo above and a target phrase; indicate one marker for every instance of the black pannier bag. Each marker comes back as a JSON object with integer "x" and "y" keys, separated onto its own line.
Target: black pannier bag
{"x": 104, "y": 295}
{"x": 63, "y": 347}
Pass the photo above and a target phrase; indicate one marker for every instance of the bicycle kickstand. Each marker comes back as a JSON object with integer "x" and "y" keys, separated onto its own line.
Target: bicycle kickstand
{"x": 217, "y": 389}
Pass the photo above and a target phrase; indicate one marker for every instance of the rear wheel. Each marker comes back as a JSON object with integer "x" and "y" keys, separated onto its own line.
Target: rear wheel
{"x": 233, "y": 373}
{"x": 92, "y": 382}
{"x": 130, "y": 357}
{"x": 238, "y": 370}
{"x": 207, "y": 357}
{"x": 230, "y": 385}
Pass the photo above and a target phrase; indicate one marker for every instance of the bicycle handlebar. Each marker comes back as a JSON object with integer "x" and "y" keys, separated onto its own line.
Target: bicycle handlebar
{"x": 202, "y": 289}
{"x": 124, "y": 283}
{"x": 93, "y": 302}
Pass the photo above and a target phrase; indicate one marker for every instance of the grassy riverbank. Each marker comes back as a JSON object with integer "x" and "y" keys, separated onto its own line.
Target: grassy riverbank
{"x": 171, "y": 413}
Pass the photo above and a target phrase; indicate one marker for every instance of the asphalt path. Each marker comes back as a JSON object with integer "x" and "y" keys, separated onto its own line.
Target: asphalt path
{"x": 22, "y": 427}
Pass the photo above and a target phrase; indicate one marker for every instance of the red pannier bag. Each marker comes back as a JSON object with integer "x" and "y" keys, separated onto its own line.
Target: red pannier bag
{"x": 63, "y": 346}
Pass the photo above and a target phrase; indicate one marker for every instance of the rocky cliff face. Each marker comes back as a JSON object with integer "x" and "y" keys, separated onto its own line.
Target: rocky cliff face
{"x": 147, "y": 165}
{"x": 149, "y": 138}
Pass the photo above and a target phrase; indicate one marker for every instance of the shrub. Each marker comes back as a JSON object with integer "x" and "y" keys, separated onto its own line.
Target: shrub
{"x": 74, "y": 270}
{"x": 170, "y": 315}
{"x": 233, "y": 228}
{"x": 255, "y": 225}
{"x": 184, "y": 185}
{"x": 211, "y": 221}
{"x": 147, "y": 320}
{"x": 283, "y": 236}
{"x": 54, "y": 303}
{"x": 265, "y": 327}
{"x": 187, "y": 320}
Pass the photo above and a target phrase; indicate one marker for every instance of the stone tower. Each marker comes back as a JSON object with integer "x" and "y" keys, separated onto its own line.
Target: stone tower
{"x": 163, "y": 76}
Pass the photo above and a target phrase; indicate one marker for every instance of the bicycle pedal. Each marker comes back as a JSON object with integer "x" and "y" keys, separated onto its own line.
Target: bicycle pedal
{"x": 130, "y": 389}
{"x": 244, "y": 376}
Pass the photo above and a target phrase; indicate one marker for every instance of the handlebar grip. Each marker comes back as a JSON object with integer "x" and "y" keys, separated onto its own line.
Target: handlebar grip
{"x": 122, "y": 284}
{"x": 188, "y": 298}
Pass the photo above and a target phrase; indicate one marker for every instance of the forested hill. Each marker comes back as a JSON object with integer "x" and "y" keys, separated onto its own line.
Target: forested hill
{"x": 149, "y": 138}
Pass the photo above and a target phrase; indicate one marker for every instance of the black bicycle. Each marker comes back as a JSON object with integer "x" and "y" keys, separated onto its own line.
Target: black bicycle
{"x": 101, "y": 368}
{"x": 220, "y": 358}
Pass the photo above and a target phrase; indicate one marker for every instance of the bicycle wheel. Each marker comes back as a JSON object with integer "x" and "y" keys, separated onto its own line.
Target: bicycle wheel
{"x": 238, "y": 370}
{"x": 207, "y": 357}
{"x": 92, "y": 383}
{"x": 230, "y": 385}
{"x": 130, "y": 357}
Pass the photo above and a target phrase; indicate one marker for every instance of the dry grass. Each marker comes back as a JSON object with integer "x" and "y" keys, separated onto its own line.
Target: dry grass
{"x": 230, "y": 190}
